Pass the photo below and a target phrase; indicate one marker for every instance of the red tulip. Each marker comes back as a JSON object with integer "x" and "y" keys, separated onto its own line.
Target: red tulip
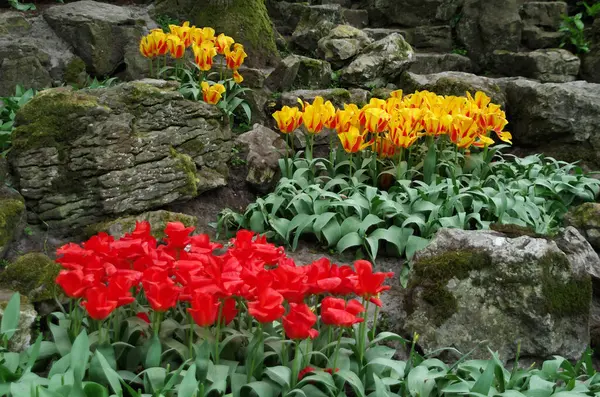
{"x": 299, "y": 322}
{"x": 178, "y": 236}
{"x": 229, "y": 311}
{"x": 368, "y": 284}
{"x": 337, "y": 312}
{"x": 205, "y": 309}
{"x": 268, "y": 307}
{"x": 97, "y": 303}
{"x": 119, "y": 289}
{"x": 304, "y": 372}
{"x": 163, "y": 295}
{"x": 143, "y": 316}
{"x": 72, "y": 282}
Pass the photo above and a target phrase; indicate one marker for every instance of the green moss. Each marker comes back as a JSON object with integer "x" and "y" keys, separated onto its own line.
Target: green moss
{"x": 74, "y": 71}
{"x": 513, "y": 231}
{"x": 187, "y": 165}
{"x": 45, "y": 121}
{"x": 31, "y": 275}
{"x": 431, "y": 275}
{"x": 11, "y": 211}
{"x": 570, "y": 297}
{"x": 194, "y": 146}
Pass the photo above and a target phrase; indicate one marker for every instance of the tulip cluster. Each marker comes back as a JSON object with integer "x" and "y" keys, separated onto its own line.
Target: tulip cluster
{"x": 388, "y": 126}
{"x": 252, "y": 280}
{"x": 205, "y": 45}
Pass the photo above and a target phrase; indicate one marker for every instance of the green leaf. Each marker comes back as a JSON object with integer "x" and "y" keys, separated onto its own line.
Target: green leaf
{"x": 419, "y": 382}
{"x": 257, "y": 389}
{"x": 154, "y": 353}
{"x": 397, "y": 366}
{"x": 280, "y": 375}
{"x": 484, "y": 383}
{"x": 92, "y": 389}
{"x": 369, "y": 221}
{"x": 352, "y": 379}
{"x": 113, "y": 378}
{"x": 348, "y": 241}
{"x": 61, "y": 339}
{"x": 80, "y": 355}
{"x": 10, "y": 318}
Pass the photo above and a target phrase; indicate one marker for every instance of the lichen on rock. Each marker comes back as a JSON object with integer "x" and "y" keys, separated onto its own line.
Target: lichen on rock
{"x": 32, "y": 275}
{"x": 11, "y": 215}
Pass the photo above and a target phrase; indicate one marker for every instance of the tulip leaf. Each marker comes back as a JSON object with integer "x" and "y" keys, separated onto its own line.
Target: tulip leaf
{"x": 80, "y": 354}
{"x": 348, "y": 241}
{"x": 352, "y": 379}
{"x": 257, "y": 389}
{"x": 280, "y": 375}
{"x": 154, "y": 353}
{"x": 61, "y": 339}
{"x": 10, "y": 318}
{"x": 113, "y": 378}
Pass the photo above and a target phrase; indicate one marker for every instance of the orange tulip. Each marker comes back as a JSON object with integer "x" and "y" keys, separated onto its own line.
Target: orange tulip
{"x": 204, "y": 54}
{"x": 235, "y": 58}
{"x": 288, "y": 119}
{"x": 353, "y": 141}
{"x": 176, "y": 46}
{"x": 212, "y": 93}
{"x": 223, "y": 43}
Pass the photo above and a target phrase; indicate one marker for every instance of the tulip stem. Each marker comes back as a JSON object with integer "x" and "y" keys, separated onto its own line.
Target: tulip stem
{"x": 151, "y": 68}
{"x": 337, "y": 351}
{"x": 351, "y": 164}
{"x": 374, "y": 330}
{"x": 284, "y": 357}
{"x": 295, "y": 368}
{"x": 218, "y": 335}
{"x": 190, "y": 334}
{"x": 361, "y": 333}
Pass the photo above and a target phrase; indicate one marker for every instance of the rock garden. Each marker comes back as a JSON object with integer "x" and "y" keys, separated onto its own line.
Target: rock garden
{"x": 251, "y": 198}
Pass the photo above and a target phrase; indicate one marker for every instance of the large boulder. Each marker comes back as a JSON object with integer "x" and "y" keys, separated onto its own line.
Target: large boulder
{"x": 286, "y": 15}
{"x": 12, "y": 218}
{"x": 405, "y": 12}
{"x": 101, "y": 34}
{"x": 263, "y": 148}
{"x": 342, "y": 44}
{"x": 295, "y": 72}
{"x": 485, "y": 26}
{"x": 431, "y": 38}
{"x": 247, "y": 21}
{"x": 379, "y": 63}
{"x": 33, "y": 56}
{"x": 158, "y": 221}
{"x": 432, "y": 62}
{"x": 316, "y": 23}
{"x": 32, "y": 275}
{"x": 84, "y": 156}
{"x": 586, "y": 218}
{"x": 453, "y": 83}
{"x": 548, "y": 66}
{"x": 337, "y": 96}
{"x": 470, "y": 288}
{"x": 545, "y": 14}
{"x": 560, "y": 120}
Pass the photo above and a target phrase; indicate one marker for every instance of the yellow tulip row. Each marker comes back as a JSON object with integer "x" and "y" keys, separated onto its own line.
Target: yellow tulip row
{"x": 204, "y": 43}
{"x": 397, "y": 123}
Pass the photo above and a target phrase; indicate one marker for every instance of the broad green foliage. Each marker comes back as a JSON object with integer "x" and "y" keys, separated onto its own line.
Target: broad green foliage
{"x": 347, "y": 212}
{"x": 8, "y": 110}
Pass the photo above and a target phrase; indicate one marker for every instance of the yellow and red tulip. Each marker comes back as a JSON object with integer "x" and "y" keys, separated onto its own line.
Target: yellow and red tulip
{"x": 288, "y": 119}
{"x": 212, "y": 93}
{"x": 237, "y": 77}
{"x": 223, "y": 43}
{"x": 376, "y": 120}
{"x": 176, "y": 46}
{"x": 235, "y": 57}
{"x": 204, "y": 55}
{"x": 353, "y": 140}
{"x": 317, "y": 114}
{"x": 201, "y": 35}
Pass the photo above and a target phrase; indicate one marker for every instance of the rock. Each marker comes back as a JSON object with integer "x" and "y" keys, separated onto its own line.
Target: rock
{"x": 12, "y": 221}
{"x": 84, "y": 156}
{"x": 547, "y": 14}
{"x": 403, "y": 12}
{"x": 535, "y": 38}
{"x": 453, "y": 83}
{"x": 247, "y": 21}
{"x": 382, "y": 33}
{"x": 286, "y": 15}
{"x": 4, "y": 173}
{"x": 257, "y": 100}
{"x": 99, "y": 33}
{"x": 32, "y": 55}
{"x": 549, "y": 65}
{"x": 264, "y": 148}
{"x": 342, "y": 44}
{"x": 158, "y": 221}
{"x": 468, "y": 287}
{"x": 357, "y": 18}
{"x": 590, "y": 62}
{"x": 485, "y": 26}
{"x": 337, "y": 96}
{"x": 428, "y": 63}
{"x": 379, "y": 63}
{"x": 21, "y": 339}
{"x": 32, "y": 275}
{"x": 316, "y": 23}
{"x": 296, "y": 71}
{"x": 586, "y": 219}
{"x": 432, "y": 38}
{"x": 559, "y": 120}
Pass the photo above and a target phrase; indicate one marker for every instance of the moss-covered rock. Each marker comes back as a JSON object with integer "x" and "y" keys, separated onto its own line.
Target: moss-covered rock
{"x": 247, "y": 21}
{"x": 21, "y": 339}
{"x": 586, "y": 219}
{"x": 468, "y": 287}
{"x": 158, "y": 221}
{"x": 12, "y": 213}
{"x": 32, "y": 275}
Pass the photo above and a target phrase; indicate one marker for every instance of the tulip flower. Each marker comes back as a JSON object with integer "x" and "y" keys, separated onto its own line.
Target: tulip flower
{"x": 148, "y": 47}
{"x": 317, "y": 114}
{"x": 268, "y": 307}
{"x": 337, "y": 312}
{"x": 176, "y": 46}
{"x": 183, "y": 32}
{"x": 376, "y": 120}
{"x": 237, "y": 77}
{"x": 205, "y": 309}
{"x": 299, "y": 322}
{"x": 204, "y": 55}
{"x": 235, "y": 58}
{"x": 223, "y": 43}
{"x": 201, "y": 35}
{"x": 72, "y": 282}
{"x": 368, "y": 284}
{"x": 288, "y": 119}
{"x": 212, "y": 93}
{"x": 344, "y": 119}
{"x": 463, "y": 131}
{"x": 353, "y": 140}
{"x": 97, "y": 303}
{"x": 162, "y": 295}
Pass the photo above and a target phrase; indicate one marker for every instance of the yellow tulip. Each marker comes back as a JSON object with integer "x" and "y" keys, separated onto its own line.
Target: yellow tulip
{"x": 396, "y": 94}
{"x": 385, "y": 148}
{"x": 204, "y": 55}
{"x": 237, "y": 77}
{"x": 201, "y": 35}
{"x": 376, "y": 120}
{"x": 353, "y": 140}
{"x": 235, "y": 58}
{"x": 316, "y": 115}
{"x": 288, "y": 119}
{"x": 160, "y": 41}
{"x": 223, "y": 43}
{"x": 344, "y": 119}
{"x": 483, "y": 141}
{"x": 148, "y": 47}
{"x": 436, "y": 124}
{"x": 480, "y": 100}
{"x": 176, "y": 46}
{"x": 463, "y": 131}
{"x": 183, "y": 32}
{"x": 212, "y": 94}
